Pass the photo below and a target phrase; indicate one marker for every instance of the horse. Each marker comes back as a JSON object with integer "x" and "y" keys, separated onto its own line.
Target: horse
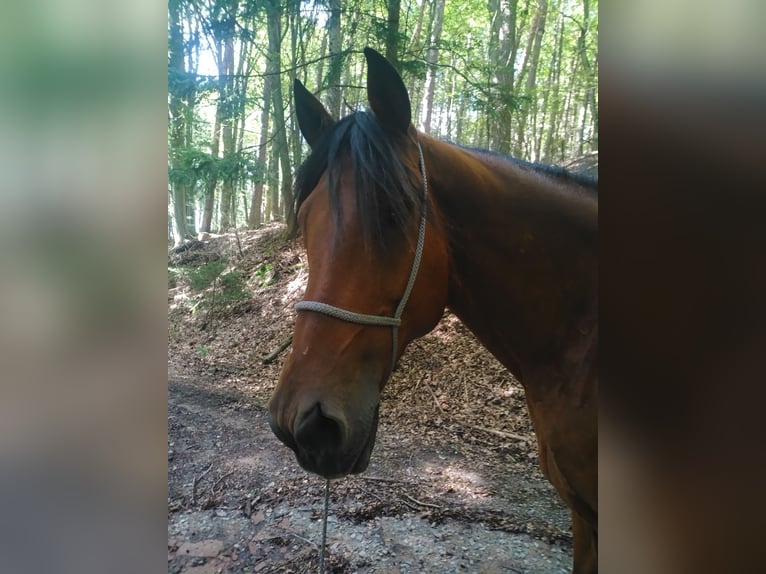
{"x": 397, "y": 225}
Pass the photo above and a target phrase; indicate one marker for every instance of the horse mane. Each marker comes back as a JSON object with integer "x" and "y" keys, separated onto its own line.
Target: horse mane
{"x": 387, "y": 191}
{"x": 584, "y": 180}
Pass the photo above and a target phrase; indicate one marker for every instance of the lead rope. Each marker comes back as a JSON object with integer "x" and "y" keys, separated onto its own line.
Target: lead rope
{"x": 324, "y": 525}
{"x": 380, "y": 320}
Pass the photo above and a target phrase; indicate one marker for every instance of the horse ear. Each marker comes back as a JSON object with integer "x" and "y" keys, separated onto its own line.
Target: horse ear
{"x": 386, "y": 93}
{"x": 313, "y": 118}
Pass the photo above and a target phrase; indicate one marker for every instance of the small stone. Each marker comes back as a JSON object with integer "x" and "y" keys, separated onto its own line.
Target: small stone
{"x": 205, "y": 548}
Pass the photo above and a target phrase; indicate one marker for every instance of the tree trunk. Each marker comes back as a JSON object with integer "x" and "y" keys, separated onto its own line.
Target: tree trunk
{"x": 590, "y": 77}
{"x": 272, "y": 180}
{"x": 392, "y": 33}
{"x": 461, "y": 118}
{"x": 281, "y": 149}
{"x": 296, "y": 140}
{"x": 553, "y": 97}
{"x": 568, "y": 141}
{"x": 433, "y": 59}
{"x": 254, "y": 218}
{"x": 415, "y": 44}
{"x": 320, "y": 64}
{"x": 336, "y": 59}
{"x": 243, "y": 75}
{"x": 447, "y": 132}
{"x": 502, "y": 54}
{"x": 529, "y": 72}
{"x": 207, "y": 214}
{"x": 228, "y": 120}
{"x": 177, "y": 118}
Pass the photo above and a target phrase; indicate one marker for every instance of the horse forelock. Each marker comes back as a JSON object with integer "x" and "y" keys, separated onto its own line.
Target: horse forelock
{"x": 387, "y": 189}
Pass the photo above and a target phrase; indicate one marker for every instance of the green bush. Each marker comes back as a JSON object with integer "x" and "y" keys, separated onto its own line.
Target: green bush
{"x": 232, "y": 287}
{"x": 217, "y": 289}
{"x": 200, "y": 278}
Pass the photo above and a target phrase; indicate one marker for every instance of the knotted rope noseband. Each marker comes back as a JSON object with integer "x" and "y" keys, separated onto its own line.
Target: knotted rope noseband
{"x": 382, "y": 320}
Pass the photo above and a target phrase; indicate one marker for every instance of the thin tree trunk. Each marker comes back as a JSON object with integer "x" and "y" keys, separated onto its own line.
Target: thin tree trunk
{"x": 296, "y": 140}
{"x": 243, "y": 75}
{"x": 177, "y": 119}
{"x": 280, "y": 146}
{"x": 414, "y": 46}
{"x": 254, "y": 217}
{"x": 210, "y": 185}
{"x": 229, "y": 117}
{"x": 566, "y": 140}
{"x": 555, "y": 105}
{"x": 460, "y": 118}
{"x": 392, "y": 32}
{"x": 529, "y": 73}
{"x": 320, "y": 64}
{"x": 336, "y": 59}
{"x": 272, "y": 181}
{"x": 590, "y": 90}
{"x": 583, "y": 124}
{"x": 450, "y": 103}
{"x": 192, "y": 60}
{"x": 433, "y": 59}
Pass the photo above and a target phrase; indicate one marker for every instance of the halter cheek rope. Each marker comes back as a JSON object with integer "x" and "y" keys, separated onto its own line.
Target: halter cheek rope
{"x": 377, "y": 320}
{"x": 382, "y": 320}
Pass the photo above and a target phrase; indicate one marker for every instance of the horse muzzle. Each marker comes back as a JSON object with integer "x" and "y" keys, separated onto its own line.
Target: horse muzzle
{"x": 324, "y": 441}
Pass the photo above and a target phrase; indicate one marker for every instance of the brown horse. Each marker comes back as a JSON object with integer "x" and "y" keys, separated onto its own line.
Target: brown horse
{"x": 397, "y": 225}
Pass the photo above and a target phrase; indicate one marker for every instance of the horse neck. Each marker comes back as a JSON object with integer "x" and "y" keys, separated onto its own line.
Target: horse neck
{"x": 523, "y": 261}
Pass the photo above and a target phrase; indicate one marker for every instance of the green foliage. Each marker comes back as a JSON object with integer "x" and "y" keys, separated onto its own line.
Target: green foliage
{"x": 194, "y": 168}
{"x": 265, "y": 275}
{"x": 192, "y": 165}
{"x": 242, "y": 164}
{"x": 478, "y": 91}
{"x": 232, "y": 287}
{"x": 228, "y": 287}
{"x": 414, "y": 68}
{"x": 181, "y": 84}
{"x": 200, "y": 278}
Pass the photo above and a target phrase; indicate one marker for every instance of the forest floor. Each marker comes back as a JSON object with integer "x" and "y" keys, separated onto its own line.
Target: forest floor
{"x": 453, "y": 484}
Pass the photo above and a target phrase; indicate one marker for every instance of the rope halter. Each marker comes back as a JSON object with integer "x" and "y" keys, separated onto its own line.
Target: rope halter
{"x": 382, "y": 320}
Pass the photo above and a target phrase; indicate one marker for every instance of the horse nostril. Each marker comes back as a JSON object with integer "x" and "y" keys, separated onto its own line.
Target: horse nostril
{"x": 317, "y": 432}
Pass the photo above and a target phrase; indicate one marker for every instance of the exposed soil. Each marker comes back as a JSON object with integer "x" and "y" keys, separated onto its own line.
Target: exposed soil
{"x": 453, "y": 485}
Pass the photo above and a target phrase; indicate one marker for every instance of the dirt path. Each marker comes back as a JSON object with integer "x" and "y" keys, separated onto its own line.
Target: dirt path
{"x": 453, "y": 485}
{"x": 239, "y": 503}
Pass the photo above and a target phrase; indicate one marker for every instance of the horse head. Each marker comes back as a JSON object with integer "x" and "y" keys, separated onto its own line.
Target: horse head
{"x": 377, "y": 267}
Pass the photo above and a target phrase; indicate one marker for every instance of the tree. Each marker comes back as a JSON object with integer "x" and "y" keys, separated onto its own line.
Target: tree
{"x": 177, "y": 85}
{"x": 254, "y": 217}
{"x": 515, "y": 77}
{"x": 225, "y": 29}
{"x": 502, "y": 56}
{"x": 336, "y": 59}
{"x": 392, "y": 32}
{"x": 528, "y": 73}
{"x": 281, "y": 148}
{"x": 433, "y": 59}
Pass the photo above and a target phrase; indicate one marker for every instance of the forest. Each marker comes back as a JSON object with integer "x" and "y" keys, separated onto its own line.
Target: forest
{"x": 518, "y": 77}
